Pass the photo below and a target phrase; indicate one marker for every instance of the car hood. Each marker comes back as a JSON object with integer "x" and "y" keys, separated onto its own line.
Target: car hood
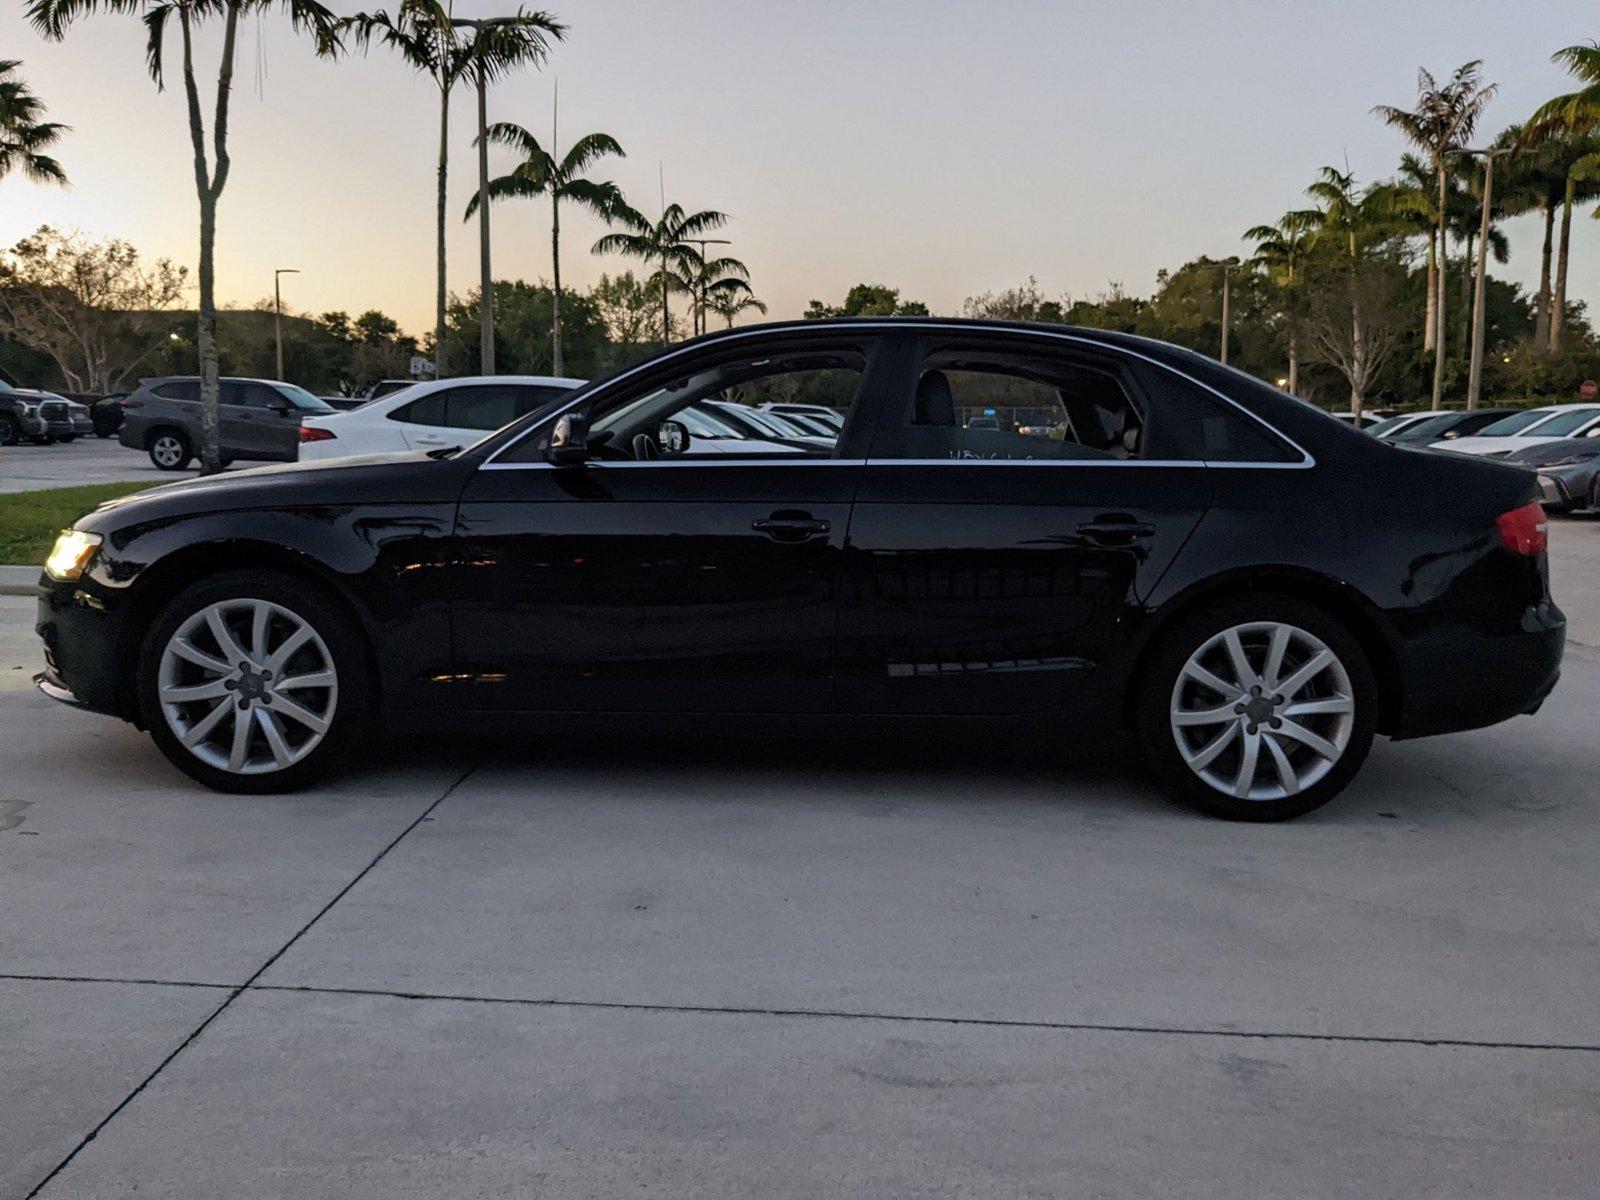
{"x": 1489, "y": 445}
{"x": 409, "y": 477}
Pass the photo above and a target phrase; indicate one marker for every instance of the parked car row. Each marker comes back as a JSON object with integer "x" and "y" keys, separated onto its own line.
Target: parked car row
{"x": 31, "y": 415}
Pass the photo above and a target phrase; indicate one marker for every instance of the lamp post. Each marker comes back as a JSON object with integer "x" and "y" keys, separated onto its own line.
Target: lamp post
{"x": 277, "y": 309}
{"x": 1475, "y": 370}
{"x": 1227, "y": 271}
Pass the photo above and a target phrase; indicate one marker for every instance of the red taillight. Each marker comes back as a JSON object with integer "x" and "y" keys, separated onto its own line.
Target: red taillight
{"x": 132, "y": 403}
{"x": 315, "y": 433}
{"x": 1524, "y": 530}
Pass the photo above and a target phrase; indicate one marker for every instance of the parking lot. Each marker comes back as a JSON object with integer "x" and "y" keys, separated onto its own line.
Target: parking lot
{"x": 88, "y": 460}
{"x": 710, "y": 969}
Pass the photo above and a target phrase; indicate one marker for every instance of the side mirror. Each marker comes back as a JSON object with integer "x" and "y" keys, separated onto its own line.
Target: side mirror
{"x": 569, "y": 439}
{"x": 673, "y": 436}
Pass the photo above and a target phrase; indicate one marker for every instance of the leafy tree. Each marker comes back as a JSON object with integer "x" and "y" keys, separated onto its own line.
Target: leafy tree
{"x": 627, "y": 307}
{"x": 91, "y": 306}
{"x": 541, "y": 174}
{"x": 869, "y": 300}
{"x": 421, "y": 33}
{"x": 1022, "y": 303}
{"x": 522, "y": 314}
{"x": 668, "y": 243}
{"x": 24, "y": 138}
{"x": 1281, "y": 252}
{"x": 52, "y": 18}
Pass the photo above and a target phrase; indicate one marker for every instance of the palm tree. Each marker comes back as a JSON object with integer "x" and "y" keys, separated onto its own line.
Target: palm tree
{"x": 730, "y": 306}
{"x": 23, "y": 136}
{"x": 700, "y": 279}
{"x": 1444, "y": 118}
{"x": 420, "y": 31}
{"x": 667, "y": 242}
{"x": 497, "y": 46}
{"x": 1281, "y": 249}
{"x": 1573, "y": 116}
{"x": 540, "y": 174}
{"x": 52, "y": 17}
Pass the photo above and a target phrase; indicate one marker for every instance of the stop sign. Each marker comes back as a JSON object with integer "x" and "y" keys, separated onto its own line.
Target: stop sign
{"x": 1589, "y": 389}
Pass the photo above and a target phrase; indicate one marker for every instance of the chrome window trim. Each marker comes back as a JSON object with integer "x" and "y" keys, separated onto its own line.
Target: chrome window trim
{"x": 776, "y": 461}
{"x": 1307, "y": 460}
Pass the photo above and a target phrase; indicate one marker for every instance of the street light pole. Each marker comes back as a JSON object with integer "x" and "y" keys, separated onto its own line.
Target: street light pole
{"x": 1227, "y": 269}
{"x": 1479, "y": 301}
{"x": 277, "y": 310}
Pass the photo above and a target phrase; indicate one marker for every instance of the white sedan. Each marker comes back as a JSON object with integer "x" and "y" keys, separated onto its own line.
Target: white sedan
{"x": 1526, "y": 429}
{"x": 430, "y": 415}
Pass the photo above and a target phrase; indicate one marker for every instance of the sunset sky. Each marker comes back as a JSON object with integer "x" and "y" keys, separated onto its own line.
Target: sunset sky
{"x": 940, "y": 147}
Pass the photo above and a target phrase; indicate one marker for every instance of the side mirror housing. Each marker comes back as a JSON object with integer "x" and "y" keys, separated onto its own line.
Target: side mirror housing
{"x": 569, "y": 439}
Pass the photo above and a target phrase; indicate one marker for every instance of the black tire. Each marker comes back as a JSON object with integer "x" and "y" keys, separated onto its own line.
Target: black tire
{"x": 352, "y": 719}
{"x": 1158, "y": 740}
{"x": 10, "y": 430}
{"x": 69, "y": 438}
{"x": 169, "y": 449}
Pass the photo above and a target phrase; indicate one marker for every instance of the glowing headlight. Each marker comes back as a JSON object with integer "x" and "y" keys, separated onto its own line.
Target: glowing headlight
{"x": 70, "y": 556}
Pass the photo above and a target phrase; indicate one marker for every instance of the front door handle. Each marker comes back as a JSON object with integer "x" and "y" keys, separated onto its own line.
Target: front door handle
{"x": 790, "y": 526}
{"x": 1116, "y": 531}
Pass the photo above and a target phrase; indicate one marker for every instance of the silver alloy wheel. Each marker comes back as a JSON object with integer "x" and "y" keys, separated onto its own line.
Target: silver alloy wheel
{"x": 1262, "y": 711}
{"x": 166, "y": 450}
{"x": 248, "y": 686}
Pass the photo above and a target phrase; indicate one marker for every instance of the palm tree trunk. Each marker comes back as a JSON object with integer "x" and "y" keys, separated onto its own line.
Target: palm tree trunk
{"x": 555, "y": 269}
{"x": 1444, "y": 261}
{"x": 666, "y": 313}
{"x": 1294, "y": 357}
{"x": 1429, "y": 320}
{"x": 440, "y": 358}
{"x": 1466, "y": 291}
{"x": 1541, "y": 303}
{"x": 1558, "y": 304}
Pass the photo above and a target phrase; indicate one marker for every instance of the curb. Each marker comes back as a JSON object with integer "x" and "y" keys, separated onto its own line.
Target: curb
{"x": 19, "y": 581}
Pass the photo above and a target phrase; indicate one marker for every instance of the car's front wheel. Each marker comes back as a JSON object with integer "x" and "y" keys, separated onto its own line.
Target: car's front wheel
{"x": 1258, "y": 709}
{"x": 10, "y": 430}
{"x": 254, "y": 682}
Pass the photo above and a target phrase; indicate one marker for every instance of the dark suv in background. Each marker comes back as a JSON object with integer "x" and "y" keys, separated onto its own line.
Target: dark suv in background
{"x": 260, "y": 419}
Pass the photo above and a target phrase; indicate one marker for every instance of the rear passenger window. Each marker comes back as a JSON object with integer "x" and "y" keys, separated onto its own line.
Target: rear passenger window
{"x": 1197, "y": 424}
{"x": 482, "y": 408}
{"x": 178, "y": 389}
{"x": 427, "y": 411}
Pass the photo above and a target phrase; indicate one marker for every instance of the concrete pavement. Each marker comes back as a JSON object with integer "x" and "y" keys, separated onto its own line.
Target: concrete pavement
{"x": 697, "y": 969}
{"x": 84, "y": 461}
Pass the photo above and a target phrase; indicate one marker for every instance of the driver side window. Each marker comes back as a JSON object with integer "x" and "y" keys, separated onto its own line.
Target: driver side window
{"x": 731, "y": 409}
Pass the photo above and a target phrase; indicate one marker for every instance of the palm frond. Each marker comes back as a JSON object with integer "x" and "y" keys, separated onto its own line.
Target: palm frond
{"x": 586, "y": 151}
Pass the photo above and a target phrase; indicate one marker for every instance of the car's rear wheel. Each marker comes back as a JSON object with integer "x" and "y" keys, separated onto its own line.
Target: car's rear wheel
{"x": 1258, "y": 709}
{"x": 254, "y": 682}
{"x": 170, "y": 450}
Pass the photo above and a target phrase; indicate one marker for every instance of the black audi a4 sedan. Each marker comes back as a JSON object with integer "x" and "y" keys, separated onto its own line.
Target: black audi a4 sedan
{"x": 1035, "y": 528}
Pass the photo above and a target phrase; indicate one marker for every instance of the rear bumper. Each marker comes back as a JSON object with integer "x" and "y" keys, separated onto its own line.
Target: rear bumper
{"x": 1457, "y": 681}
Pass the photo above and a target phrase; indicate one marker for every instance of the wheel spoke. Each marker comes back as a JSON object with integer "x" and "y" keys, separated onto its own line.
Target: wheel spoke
{"x": 1205, "y": 716}
{"x": 1242, "y": 670}
{"x": 260, "y": 615}
{"x": 1275, "y": 652}
{"x": 298, "y": 712}
{"x": 1200, "y": 759}
{"x": 198, "y": 731}
{"x": 281, "y": 754}
{"x": 216, "y": 689}
{"x": 1306, "y": 672}
{"x": 225, "y": 639}
{"x": 1202, "y": 676}
{"x": 241, "y": 739}
{"x": 1327, "y": 704}
{"x": 289, "y": 647}
{"x": 1280, "y": 759}
{"x": 313, "y": 679}
{"x": 191, "y": 653}
{"x": 1245, "y": 779}
{"x": 1321, "y": 746}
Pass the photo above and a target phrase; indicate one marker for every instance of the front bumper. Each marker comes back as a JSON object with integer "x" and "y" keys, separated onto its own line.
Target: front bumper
{"x": 81, "y": 666}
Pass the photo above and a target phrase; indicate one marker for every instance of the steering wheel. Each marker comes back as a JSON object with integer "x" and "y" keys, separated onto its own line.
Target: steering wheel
{"x": 645, "y": 448}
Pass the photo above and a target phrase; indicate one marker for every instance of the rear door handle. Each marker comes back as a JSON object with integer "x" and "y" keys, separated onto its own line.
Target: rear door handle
{"x": 1116, "y": 532}
{"x": 790, "y": 527}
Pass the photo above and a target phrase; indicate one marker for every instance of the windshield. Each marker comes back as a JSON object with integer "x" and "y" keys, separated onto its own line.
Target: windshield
{"x": 1390, "y": 423}
{"x": 1515, "y": 423}
{"x": 1429, "y": 425}
{"x": 304, "y": 400}
{"x": 1563, "y": 423}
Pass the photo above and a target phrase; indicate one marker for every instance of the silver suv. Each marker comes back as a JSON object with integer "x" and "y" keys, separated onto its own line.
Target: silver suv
{"x": 260, "y": 419}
